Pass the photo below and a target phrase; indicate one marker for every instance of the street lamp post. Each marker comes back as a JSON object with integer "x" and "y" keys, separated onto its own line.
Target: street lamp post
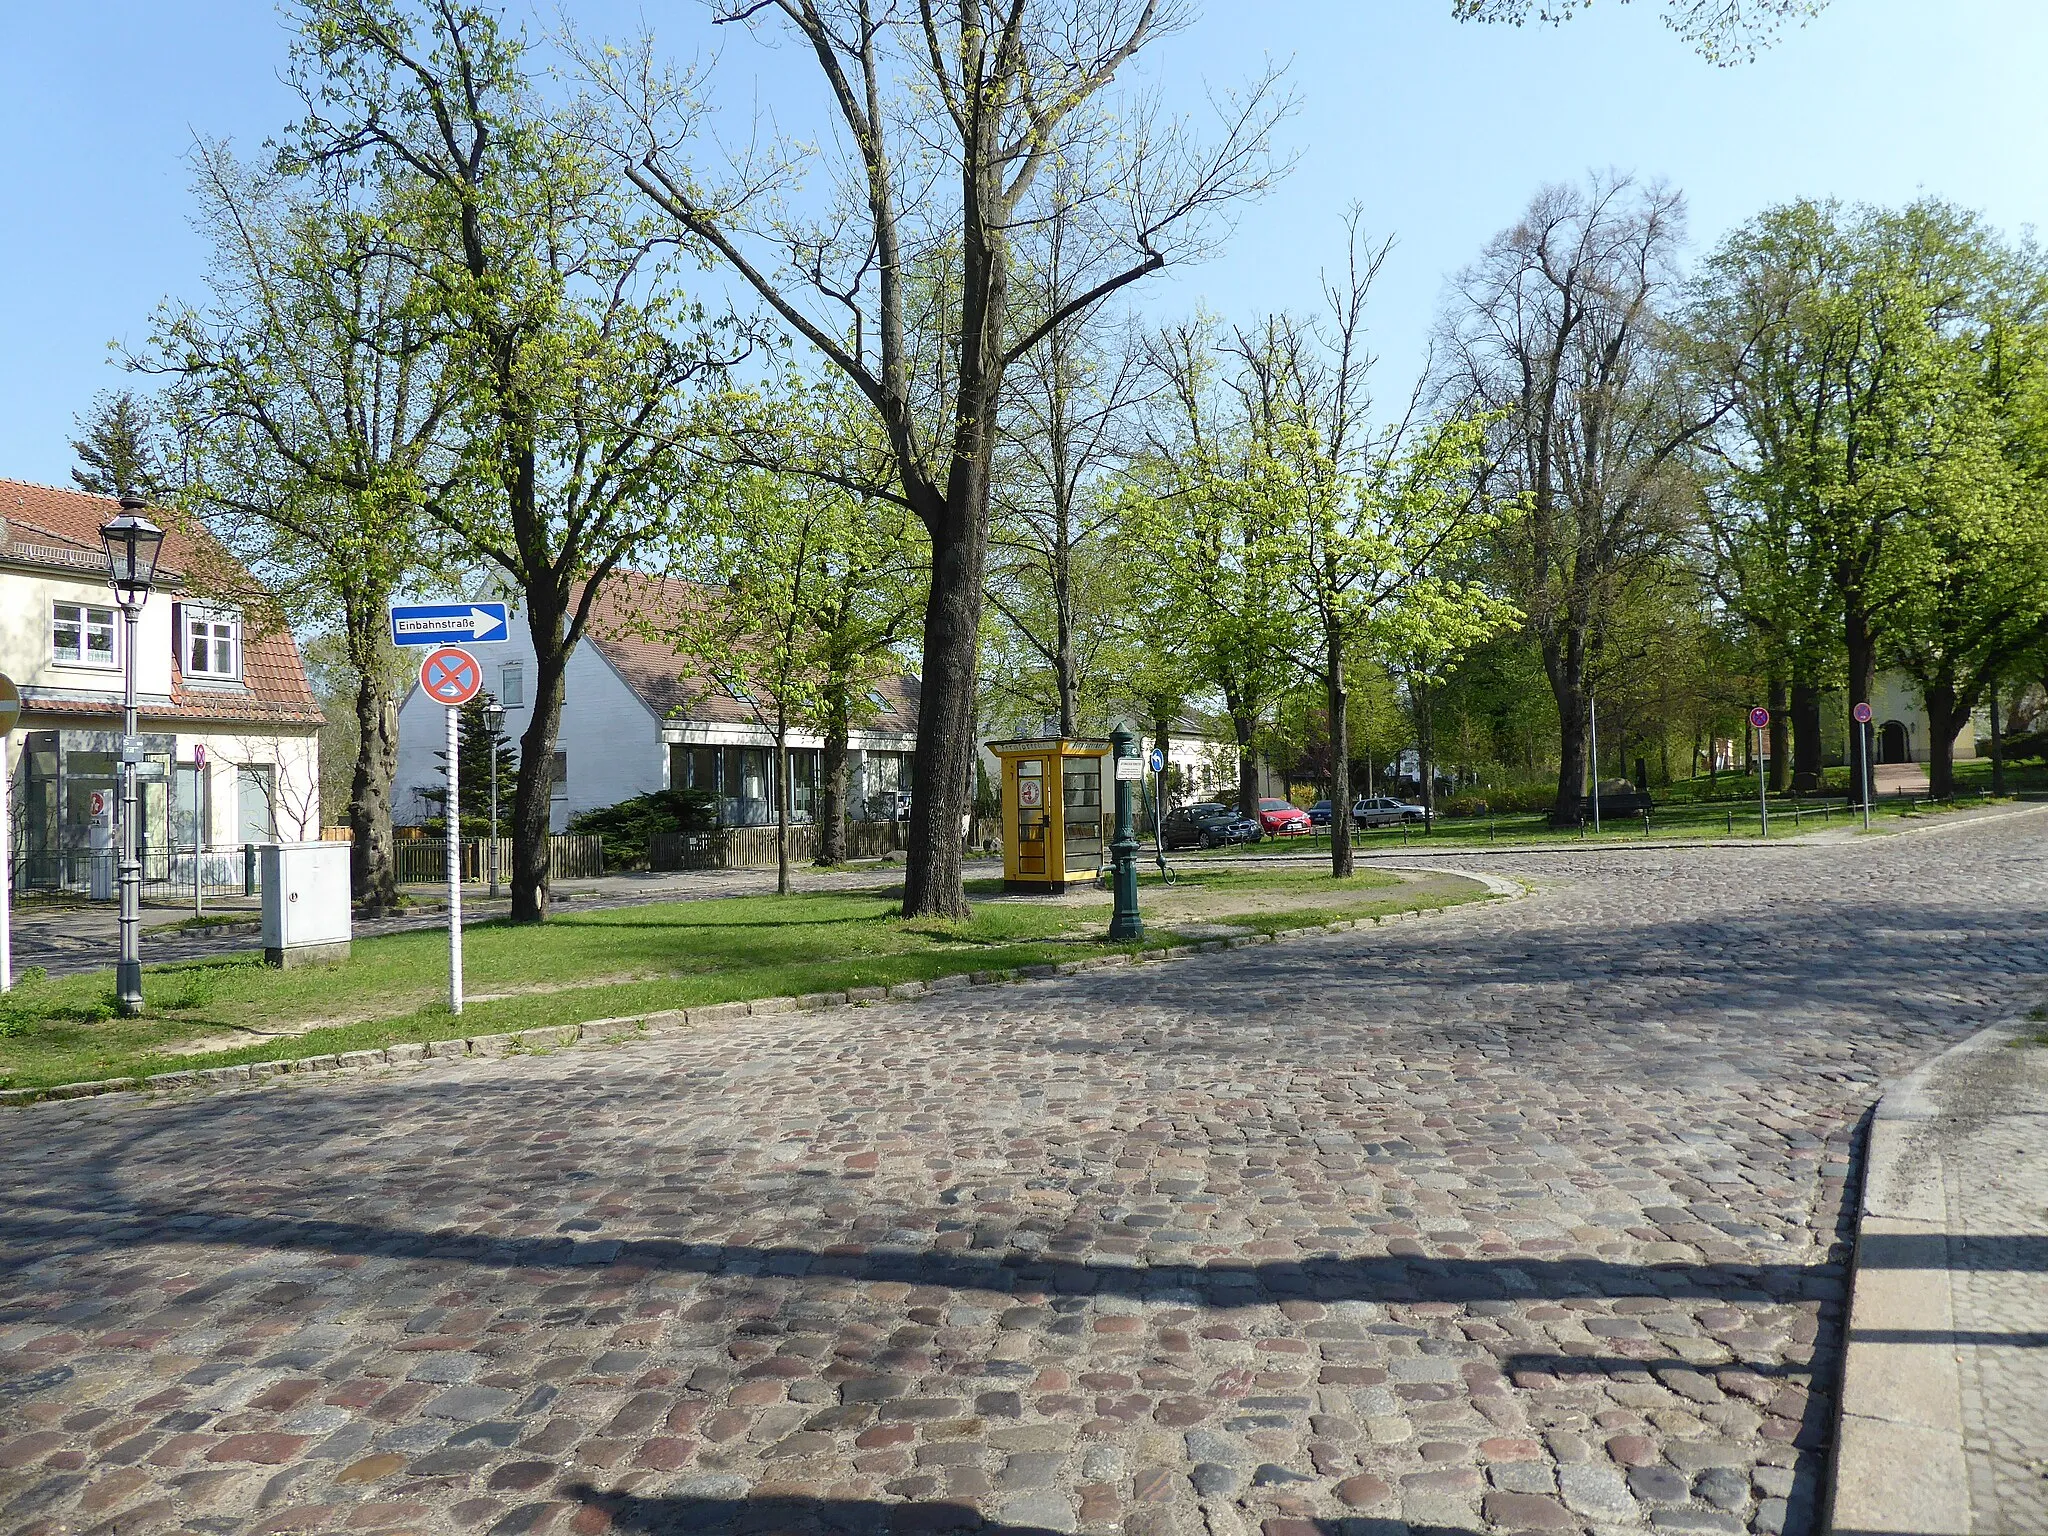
{"x": 132, "y": 542}
{"x": 494, "y": 720}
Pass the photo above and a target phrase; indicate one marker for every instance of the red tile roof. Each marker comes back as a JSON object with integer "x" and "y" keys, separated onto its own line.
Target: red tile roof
{"x": 630, "y": 606}
{"x": 44, "y": 525}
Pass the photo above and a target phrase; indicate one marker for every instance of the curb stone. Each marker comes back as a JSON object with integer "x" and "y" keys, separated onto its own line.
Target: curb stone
{"x": 1899, "y": 1462}
{"x": 601, "y": 1031}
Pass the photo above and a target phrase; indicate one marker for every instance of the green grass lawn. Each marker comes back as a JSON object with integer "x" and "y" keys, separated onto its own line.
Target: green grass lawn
{"x": 589, "y": 965}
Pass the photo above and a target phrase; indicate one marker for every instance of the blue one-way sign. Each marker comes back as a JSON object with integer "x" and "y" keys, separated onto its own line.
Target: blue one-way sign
{"x": 449, "y": 624}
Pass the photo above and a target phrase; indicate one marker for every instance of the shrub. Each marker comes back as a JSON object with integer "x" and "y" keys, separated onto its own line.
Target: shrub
{"x": 629, "y": 826}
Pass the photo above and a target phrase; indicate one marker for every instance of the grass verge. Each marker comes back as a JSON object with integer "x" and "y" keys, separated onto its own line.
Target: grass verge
{"x": 628, "y": 960}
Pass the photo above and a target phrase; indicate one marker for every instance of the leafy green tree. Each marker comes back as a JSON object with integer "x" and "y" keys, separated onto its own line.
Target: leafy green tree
{"x": 1192, "y": 514}
{"x": 1840, "y": 344}
{"x": 560, "y": 326}
{"x": 312, "y": 417}
{"x": 806, "y": 587}
{"x": 1968, "y": 573}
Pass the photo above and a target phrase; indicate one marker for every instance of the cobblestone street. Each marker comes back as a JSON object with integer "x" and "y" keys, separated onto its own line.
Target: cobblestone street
{"x": 1527, "y": 1216}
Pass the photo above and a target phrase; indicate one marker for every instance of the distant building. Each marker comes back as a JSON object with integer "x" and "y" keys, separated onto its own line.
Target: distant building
{"x": 229, "y": 726}
{"x": 636, "y": 717}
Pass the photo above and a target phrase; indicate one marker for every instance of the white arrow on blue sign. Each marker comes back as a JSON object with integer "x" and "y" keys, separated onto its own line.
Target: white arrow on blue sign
{"x": 1158, "y": 760}
{"x": 449, "y": 624}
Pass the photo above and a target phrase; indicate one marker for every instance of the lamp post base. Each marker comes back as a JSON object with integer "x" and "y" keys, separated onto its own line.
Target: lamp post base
{"x": 128, "y": 987}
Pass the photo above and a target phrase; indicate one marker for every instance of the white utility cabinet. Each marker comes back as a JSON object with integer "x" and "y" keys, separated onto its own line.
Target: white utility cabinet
{"x": 306, "y": 917}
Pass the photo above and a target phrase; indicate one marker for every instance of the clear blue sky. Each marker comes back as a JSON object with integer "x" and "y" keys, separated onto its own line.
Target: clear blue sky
{"x": 1440, "y": 131}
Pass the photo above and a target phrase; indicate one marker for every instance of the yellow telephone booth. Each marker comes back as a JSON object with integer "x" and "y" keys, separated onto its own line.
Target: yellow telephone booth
{"x": 1052, "y": 811}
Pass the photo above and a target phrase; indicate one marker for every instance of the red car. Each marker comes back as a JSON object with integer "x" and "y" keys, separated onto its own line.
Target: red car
{"x": 1279, "y": 819}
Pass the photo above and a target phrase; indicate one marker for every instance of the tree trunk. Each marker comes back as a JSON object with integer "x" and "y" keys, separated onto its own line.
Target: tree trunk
{"x": 1247, "y": 765}
{"x": 945, "y": 715}
{"x": 1565, "y": 662}
{"x": 373, "y": 873}
{"x": 1341, "y": 864}
{"x": 1806, "y": 742}
{"x": 832, "y": 792}
{"x": 532, "y": 798}
{"x": 1943, "y": 721}
{"x": 1063, "y": 612}
{"x": 1781, "y": 735}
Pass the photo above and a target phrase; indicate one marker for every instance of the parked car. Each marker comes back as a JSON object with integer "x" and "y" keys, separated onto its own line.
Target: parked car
{"x": 1385, "y": 811}
{"x": 1207, "y": 824}
{"x": 1277, "y": 818}
{"x": 1319, "y": 814}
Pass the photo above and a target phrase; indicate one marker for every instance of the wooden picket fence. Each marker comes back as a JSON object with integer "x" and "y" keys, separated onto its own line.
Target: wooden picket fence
{"x": 424, "y": 860}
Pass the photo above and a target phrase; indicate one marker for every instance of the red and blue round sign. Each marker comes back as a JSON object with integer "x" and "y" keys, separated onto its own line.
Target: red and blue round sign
{"x": 451, "y": 676}
{"x": 1862, "y": 714}
{"x": 1759, "y": 717}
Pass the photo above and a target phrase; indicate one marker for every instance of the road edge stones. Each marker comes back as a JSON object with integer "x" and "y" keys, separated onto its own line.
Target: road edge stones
{"x": 1898, "y": 1463}
{"x": 674, "y": 1020}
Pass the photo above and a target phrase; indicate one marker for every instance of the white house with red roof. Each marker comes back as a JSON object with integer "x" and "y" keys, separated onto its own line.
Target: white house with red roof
{"x": 230, "y": 728}
{"x": 636, "y": 717}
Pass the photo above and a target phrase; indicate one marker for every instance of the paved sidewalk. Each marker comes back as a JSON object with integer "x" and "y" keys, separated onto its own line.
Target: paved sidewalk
{"x": 1945, "y": 1394}
{"x": 1527, "y": 1217}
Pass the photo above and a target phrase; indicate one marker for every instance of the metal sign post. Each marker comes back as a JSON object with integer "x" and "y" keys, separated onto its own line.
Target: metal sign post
{"x": 1124, "y": 922}
{"x": 1862, "y": 713}
{"x": 10, "y": 711}
{"x": 1759, "y": 719}
{"x": 452, "y": 677}
{"x": 1593, "y": 725}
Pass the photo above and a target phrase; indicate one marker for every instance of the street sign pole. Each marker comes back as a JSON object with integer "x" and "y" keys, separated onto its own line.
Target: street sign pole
{"x": 1593, "y": 724}
{"x": 452, "y": 677}
{"x": 454, "y": 813}
{"x": 1861, "y": 715}
{"x": 1759, "y": 719}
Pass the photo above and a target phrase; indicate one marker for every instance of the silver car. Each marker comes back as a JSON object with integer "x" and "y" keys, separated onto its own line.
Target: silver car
{"x": 1385, "y": 811}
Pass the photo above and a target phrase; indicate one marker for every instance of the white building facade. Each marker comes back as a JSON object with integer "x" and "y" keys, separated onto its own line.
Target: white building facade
{"x": 228, "y": 724}
{"x": 637, "y": 717}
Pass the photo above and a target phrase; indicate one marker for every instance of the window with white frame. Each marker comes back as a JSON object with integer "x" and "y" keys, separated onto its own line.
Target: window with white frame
{"x": 512, "y": 685}
{"x": 212, "y": 644}
{"x": 82, "y": 635}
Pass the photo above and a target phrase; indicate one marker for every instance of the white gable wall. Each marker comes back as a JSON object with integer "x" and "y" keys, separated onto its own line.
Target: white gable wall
{"x": 612, "y": 739}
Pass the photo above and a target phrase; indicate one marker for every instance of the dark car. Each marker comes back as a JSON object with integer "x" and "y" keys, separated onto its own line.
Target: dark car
{"x": 1319, "y": 814}
{"x": 1385, "y": 811}
{"x": 1207, "y": 824}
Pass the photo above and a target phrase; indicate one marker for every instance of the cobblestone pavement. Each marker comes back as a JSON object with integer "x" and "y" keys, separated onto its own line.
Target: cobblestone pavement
{"x": 1522, "y": 1217}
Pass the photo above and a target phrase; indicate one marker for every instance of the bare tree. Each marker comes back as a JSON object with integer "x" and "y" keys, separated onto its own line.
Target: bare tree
{"x": 312, "y": 420}
{"x": 946, "y": 120}
{"x": 1065, "y": 432}
{"x": 1557, "y": 333}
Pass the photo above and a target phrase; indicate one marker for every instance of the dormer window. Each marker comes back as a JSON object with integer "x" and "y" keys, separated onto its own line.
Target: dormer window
{"x": 212, "y": 644}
